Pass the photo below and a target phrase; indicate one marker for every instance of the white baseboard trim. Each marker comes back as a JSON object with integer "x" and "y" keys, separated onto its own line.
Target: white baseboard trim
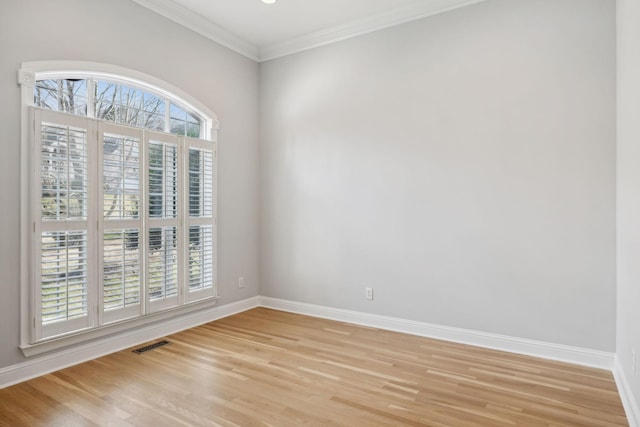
{"x": 65, "y": 358}
{"x": 563, "y": 353}
{"x": 43, "y": 365}
{"x": 629, "y": 401}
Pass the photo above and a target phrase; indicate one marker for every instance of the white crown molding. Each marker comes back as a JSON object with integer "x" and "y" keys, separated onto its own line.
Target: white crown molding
{"x": 43, "y": 365}
{"x": 563, "y": 353}
{"x": 200, "y": 25}
{"x": 411, "y": 12}
{"x": 629, "y": 401}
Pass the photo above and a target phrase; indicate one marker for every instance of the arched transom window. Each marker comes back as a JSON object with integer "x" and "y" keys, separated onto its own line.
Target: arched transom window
{"x": 116, "y": 102}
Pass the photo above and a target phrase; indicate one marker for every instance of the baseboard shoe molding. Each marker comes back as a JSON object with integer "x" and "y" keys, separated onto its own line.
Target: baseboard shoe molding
{"x": 43, "y": 365}
{"x": 562, "y": 353}
{"x": 629, "y": 401}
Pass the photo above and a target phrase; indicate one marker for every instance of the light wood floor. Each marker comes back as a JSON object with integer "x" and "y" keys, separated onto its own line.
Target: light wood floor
{"x": 265, "y": 367}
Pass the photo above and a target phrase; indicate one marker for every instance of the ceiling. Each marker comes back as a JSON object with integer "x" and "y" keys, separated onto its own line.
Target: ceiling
{"x": 262, "y": 32}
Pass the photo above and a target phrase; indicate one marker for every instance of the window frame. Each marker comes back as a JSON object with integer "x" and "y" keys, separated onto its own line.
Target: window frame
{"x": 28, "y": 74}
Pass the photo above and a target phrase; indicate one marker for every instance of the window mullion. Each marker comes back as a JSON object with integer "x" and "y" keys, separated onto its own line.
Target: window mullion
{"x": 167, "y": 116}
{"x": 91, "y": 98}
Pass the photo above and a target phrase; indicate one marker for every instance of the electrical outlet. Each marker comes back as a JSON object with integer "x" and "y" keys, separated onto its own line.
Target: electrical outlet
{"x": 368, "y": 293}
{"x": 633, "y": 361}
{"x": 240, "y": 282}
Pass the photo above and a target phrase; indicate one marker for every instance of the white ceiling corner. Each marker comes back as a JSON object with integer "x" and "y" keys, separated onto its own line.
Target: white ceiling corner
{"x": 195, "y": 22}
{"x": 367, "y": 24}
{"x": 263, "y": 32}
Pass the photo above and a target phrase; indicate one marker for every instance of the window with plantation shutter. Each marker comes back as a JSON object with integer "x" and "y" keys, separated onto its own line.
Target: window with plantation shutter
{"x": 124, "y": 222}
{"x": 118, "y": 177}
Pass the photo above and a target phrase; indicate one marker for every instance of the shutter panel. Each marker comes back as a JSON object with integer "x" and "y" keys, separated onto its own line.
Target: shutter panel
{"x": 122, "y": 272}
{"x": 63, "y": 172}
{"x": 163, "y": 263}
{"x": 201, "y": 257}
{"x": 164, "y": 215}
{"x": 200, "y": 182}
{"x": 64, "y": 276}
{"x": 62, "y": 265}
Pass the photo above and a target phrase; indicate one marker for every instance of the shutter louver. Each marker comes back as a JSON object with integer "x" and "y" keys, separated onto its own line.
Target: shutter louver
{"x": 121, "y": 266}
{"x": 200, "y": 183}
{"x": 163, "y": 262}
{"x": 64, "y": 275}
{"x": 63, "y": 172}
{"x": 121, "y": 176}
{"x": 200, "y": 257}
{"x": 163, "y": 180}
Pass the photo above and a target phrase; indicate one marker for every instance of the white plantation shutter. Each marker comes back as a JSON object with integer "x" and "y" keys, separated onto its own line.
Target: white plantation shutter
{"x": 164, "y": 216}
{"x": 200, "y": 265}
{"x": 61, "y": 216}
{"x": 200, "y": 257}
{"x": 124, "y": 222}
{"x": 121, "y": 271}
{"x": 63, "y": 169}
{"x": 64, "y": 276}
{"x": 163, "y": 267}
{"x": 120, "y": 201}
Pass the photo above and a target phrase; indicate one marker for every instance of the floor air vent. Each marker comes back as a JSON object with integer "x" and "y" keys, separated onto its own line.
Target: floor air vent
{"x": 151, "y": 346}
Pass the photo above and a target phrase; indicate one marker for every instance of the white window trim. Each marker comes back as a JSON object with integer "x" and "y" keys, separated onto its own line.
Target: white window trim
{"x": 27, "y": 76}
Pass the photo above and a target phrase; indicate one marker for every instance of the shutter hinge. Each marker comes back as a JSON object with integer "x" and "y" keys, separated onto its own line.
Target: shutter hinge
{"x": 34, "y": 323}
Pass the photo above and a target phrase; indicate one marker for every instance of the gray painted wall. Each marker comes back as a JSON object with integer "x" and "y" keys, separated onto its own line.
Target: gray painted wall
{"x": 121, "y": 33}
{"x": 628, "y": 327}
{"x": 462, "y": 165}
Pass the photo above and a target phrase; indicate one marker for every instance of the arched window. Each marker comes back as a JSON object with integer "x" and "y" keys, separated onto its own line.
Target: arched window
{"x": 119, "y": 180}
{"x": 117, "y": 102}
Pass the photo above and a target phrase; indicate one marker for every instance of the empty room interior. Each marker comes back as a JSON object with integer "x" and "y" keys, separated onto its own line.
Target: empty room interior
{"x": 348, "y": 212}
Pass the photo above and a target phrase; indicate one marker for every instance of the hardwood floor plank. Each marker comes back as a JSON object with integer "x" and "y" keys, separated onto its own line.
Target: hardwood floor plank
{"x": 270, "y": 368}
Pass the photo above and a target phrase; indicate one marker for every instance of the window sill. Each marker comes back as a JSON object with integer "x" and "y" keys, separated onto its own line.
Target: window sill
{"x": 126, "y": 326}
